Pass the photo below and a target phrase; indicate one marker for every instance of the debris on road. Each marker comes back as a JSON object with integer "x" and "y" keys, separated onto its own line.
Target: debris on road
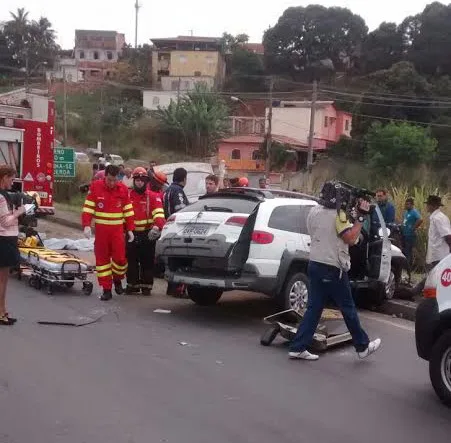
{"x": 83, "y": 244}
{"x": 162, "y": 311}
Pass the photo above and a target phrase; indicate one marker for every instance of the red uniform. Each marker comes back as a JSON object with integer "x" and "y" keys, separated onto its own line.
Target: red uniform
{"x": 148, "y": 209}
{"x": 111, "y": 209}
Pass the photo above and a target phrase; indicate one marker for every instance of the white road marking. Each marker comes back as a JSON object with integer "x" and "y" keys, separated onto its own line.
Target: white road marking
{"x": 384, "y": 319}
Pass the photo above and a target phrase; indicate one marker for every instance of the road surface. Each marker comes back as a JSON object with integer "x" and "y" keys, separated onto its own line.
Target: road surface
{"x": 199, "y": 375}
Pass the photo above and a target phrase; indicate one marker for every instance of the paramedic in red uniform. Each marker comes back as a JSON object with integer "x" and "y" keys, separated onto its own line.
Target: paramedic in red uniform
{"x": 149, "y": 221}
{"x": 108, "y": 204}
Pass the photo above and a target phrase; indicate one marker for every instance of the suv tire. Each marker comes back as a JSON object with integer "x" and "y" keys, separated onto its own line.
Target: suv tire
{"x": 295, "y": 292}
{"x": 204, "y": 296}
{"x": 440, "y": 368}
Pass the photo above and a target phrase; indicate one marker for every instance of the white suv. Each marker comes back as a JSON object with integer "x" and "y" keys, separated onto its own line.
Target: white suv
{"x": 257, "y": 240}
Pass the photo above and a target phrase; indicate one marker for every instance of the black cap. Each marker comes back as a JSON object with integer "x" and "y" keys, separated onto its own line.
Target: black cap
{"x": 434, "y": 200}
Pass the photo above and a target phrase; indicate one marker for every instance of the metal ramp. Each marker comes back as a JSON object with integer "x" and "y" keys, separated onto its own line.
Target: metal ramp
{"x": 331, "y": 331}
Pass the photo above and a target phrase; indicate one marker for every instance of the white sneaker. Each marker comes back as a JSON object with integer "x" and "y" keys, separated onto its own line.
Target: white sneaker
{"x": 371, "y": 349}
{"x": 306, "y": 355}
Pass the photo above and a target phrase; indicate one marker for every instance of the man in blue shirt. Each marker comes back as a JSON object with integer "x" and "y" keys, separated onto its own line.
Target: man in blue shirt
{"x": 411, "y": 222}
{"x": 387, "y": 208}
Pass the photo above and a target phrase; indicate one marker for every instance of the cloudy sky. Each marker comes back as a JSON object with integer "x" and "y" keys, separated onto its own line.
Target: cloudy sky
{"x": 181, "y": 17}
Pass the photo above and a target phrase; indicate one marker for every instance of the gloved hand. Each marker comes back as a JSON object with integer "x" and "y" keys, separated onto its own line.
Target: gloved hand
{"x": 87, "y": 232}
{"x": 363, "y": 207}
{"x": 131, "y": 236}
{"x": 154, "y": 233}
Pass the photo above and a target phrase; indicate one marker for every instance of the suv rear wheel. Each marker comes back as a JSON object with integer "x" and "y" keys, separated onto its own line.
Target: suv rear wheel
{"x": 295, "y": 292}
{"x": 440, "y": 368}
{"x": 204, "y": 296}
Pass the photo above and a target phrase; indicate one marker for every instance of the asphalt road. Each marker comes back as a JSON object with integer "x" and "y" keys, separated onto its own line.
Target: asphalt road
{"x": 199, "y": 375}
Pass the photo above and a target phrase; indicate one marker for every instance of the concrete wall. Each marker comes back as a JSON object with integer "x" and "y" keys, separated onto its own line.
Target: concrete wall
{"x": 187, "y": 63}
{"x": 154, "y": 99}
{"x": 186, "y": 83}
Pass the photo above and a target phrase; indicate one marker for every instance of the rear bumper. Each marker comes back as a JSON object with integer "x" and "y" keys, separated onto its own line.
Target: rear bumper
{"x": 247, "y": 280}
{"x": 45, "y": 210}
{"x": 427, "y": 323}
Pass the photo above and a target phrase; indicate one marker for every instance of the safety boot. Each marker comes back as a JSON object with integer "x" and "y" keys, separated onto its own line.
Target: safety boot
{"x": 132, "y": 290}
{"x": 146, "y": 290}
{"x": 107, "y": 295}
{"x": 118, "y": 287}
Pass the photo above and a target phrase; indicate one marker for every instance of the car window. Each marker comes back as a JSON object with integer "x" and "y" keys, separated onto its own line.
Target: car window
{"x": 292, "y": 218}
{"x": 195, "y": 183}
{"x": 234, "y": 205}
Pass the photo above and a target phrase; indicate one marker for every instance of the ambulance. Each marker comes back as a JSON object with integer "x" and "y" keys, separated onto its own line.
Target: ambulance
{"x": 433, "y": 328}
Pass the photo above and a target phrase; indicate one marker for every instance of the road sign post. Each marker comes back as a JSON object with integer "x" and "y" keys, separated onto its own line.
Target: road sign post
{"x": 64, "y": 162}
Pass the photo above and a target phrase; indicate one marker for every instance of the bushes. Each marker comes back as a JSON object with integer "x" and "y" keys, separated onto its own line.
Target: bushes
{"x": 68, "y": 190}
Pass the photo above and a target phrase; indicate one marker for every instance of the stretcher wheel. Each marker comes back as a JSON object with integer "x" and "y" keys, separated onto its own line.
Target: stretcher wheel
{"x": 70, "y": 284}
{"x": 35, "y": 282}
{"x": 269, "y": 335}
{"x": 87, "y": 287}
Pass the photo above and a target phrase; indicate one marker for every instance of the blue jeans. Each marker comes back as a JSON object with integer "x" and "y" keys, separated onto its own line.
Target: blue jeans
{"x": 408, "y": 244}
{"x": 327, "y": 282}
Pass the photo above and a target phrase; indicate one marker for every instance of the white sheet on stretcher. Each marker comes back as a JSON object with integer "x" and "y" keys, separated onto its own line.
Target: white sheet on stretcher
{"x": 47, "y": 265}
{"x": 60, "y": 244}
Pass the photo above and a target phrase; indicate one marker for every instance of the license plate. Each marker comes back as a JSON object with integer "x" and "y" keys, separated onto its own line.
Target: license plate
{"x": 196, "y": 230}
{"x": 43, "y": 194}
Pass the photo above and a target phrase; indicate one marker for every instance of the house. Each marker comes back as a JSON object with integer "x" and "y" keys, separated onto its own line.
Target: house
{"x": 152, "y": 99}
{"x": 97, "y": 52}
{"x": 292, "y": 119}
{"x": 243, "y": 152}
{"x": 65, "y": 68}
{"x": 181, "y": 62}
{"x": 256, "y": 48}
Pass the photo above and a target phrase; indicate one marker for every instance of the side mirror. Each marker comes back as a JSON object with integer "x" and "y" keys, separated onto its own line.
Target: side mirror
{"x": 381, "y": 232}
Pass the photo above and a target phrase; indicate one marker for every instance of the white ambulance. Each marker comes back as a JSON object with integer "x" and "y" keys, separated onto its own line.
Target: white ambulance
{"x": 433, "y": 328}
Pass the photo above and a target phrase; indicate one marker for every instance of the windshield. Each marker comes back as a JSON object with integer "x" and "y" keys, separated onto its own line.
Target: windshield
{"x": 195, "y": 185}
{"x": 233, "y": 205}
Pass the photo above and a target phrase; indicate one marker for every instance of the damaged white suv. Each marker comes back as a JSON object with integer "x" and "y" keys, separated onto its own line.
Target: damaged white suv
{"x": 257, "y": 240}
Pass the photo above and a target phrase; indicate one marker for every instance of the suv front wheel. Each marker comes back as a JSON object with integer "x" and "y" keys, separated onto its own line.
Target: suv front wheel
{"x": 204, "y": 296}
{"x": 295, "y": 292}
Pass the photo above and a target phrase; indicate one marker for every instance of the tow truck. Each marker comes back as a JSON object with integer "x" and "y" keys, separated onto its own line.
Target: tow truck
{"x": 433, "y": 328}
{"x": 27, "y": 133}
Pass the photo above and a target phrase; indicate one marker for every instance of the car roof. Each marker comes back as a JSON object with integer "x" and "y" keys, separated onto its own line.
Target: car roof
{"x": 169, "y": 168}
{"x": 263, "y": 195}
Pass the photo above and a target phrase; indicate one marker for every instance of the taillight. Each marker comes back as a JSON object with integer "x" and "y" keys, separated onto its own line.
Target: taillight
{"x": 236, "y": 221}
{"x": 430, "y": 292}
{"x": 262, "y": 238}
{"x": 170, "y": 220}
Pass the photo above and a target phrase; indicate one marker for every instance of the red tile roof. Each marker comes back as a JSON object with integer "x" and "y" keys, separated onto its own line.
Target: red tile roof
{"x": 258, "y": 48}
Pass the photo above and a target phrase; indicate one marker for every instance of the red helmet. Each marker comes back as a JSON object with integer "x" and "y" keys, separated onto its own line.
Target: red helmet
{"x": 158, "y": 178}
{"x": 243, "y": 182}
{"x": 139, "y": 172}
{"x": 100, "y": 175}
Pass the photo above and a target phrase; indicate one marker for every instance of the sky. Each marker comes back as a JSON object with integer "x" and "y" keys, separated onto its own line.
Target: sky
{"x": 199, "y": 17}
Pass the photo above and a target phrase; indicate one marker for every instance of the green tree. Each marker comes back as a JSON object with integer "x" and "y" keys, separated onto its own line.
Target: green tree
{"x": 382, "y": 48}
{"x": 200, "y": 119}
{"x": 313, "y": 36}
{"x": 29, "y": 42}
{"x": 134, "y": 65}
{"x": 398, "y": 145}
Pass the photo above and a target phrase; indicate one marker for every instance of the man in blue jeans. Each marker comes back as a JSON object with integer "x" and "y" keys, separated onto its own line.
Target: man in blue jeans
{"x": 331, "y": 234}
{"x": 411, "y": 222}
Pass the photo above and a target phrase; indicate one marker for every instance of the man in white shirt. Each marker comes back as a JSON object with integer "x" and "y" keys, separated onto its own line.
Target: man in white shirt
{"x": 439, "y": 241}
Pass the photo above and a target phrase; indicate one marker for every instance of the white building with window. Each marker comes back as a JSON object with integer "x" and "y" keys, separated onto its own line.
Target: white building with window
{"x": 152, "y": 100}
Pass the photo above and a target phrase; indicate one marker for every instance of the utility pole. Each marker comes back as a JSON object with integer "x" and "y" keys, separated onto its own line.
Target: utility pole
{"x": 311, "y": 136}
{"x": 64, "y": 107}
{"x": 27, "y": 72}
{"x": 137, "y": 6}
{"x": 269, "y": 132}
{"x": 178, "y": 90}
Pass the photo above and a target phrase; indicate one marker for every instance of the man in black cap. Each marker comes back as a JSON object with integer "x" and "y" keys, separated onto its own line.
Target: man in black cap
{"x": 439, "y": 237}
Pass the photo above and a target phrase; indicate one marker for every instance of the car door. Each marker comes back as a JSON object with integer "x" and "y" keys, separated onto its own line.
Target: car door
{"x": 380, "y": 261}
{"x": 284, "y": 229}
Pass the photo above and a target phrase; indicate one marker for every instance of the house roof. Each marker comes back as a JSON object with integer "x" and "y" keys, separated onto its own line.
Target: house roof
{"x": 186, "y": 39}
{"x": 96, "y": 33}
{"x": 259, "y": 139}
{"x": 303, "y": 104}
{"x": 258, "y": 48}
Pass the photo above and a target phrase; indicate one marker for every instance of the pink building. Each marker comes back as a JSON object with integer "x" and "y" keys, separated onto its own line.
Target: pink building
{"x": 292, "y": 119}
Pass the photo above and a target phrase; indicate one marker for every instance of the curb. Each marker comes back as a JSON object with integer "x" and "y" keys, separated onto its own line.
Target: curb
{"x": 65, "y": 222}
{"x": 400, "y": 308}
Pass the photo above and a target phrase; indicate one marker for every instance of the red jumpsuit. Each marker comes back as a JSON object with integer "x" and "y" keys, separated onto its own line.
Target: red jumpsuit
{"x": 111, "y": 209}
{"x": 148, "y": 209}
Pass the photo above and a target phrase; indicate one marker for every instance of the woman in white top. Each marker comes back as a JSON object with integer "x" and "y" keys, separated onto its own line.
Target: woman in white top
{"x": 9, "y": 230}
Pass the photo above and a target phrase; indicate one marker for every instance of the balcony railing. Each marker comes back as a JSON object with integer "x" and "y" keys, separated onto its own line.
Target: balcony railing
{"x": 247, "y": 125}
